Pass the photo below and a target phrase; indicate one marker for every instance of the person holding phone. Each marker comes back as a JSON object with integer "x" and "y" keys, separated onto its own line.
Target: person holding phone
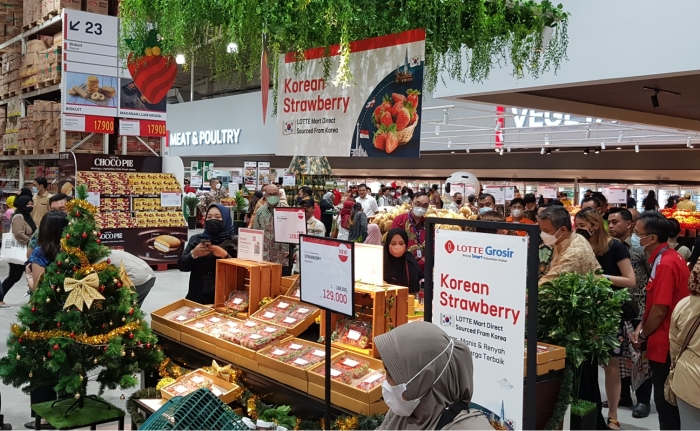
{"x": 216, "y": 242}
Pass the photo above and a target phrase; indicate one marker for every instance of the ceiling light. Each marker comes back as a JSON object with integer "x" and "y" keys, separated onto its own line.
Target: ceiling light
{"x": 180, "y": 59}
{"x": 692, "y": 146}
{"x": 556, "y": 149}
{"x": 509, "y": 148}
{"x": 232, "y": 48}
{"x": 500, "y": 153}
{"x": 498, "y": 125}
{"x": 549, "y": 151}
{"x": 619, "y": 138}
{"x": 585, "y": 151}
{"x": 467, "y": 150}
{"x": 588, "y": 132}
{"x": 452, "y": 152}
{"x": 445, "y": 117}
{"x": 602, "y": 145}
{"x": 546, "y": 139}
{"x": 619, "y": 148}
{"x": 542, "y": 152}
{"x": 614, "y": 121}
{"x": 597, "y": 151}
{"x": 636, "y": 148}
{"x": 688, "y": 143}
{"x": 495, "y": 149}
{"x": 449, "y": 143}
{"x": 655, "y": 100}
{"x": 437, "y": 129}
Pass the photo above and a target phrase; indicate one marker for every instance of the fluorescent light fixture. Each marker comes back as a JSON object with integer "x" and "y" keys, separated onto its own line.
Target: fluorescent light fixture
{"x": 445, "y": 117}
{"x": 498, "y": 125}
{"x": 500, "y": 153}
{"x": 556, "y": 149}
{"x": 618, "y": 148}
{"x": 549, "y": 151}
{"x": 232, "y": 48}
{"x": 542, "y": 151}
{"x": 452, "y": 152}
{"x": 509, "y": 148}
{"x": 449, "y": 143}
{"x": 588, "y": 132}
{"x": 619, "y": 138}
{"x": 636, "y": 148}
{"x": 437, "y": 129}
{"x": 597, "y": 151}
{"x": 467, "y": 150}
{"x": 180, "y": 59}
{"x": 546, "y": 139}
{"x": 688, "y": 143}
{"x": 585, "y": 152}
{"x": 602, "y": 145}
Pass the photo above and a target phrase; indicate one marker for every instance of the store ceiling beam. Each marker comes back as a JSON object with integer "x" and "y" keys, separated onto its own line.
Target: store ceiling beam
{"x": 585, "y": 109}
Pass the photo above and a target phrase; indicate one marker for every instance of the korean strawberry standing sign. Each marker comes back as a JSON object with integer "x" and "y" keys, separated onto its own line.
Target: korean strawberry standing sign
{"x": 378, "y": 116}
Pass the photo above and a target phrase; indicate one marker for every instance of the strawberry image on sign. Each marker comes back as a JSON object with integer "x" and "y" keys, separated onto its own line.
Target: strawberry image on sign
{"x": 154, "y": 75}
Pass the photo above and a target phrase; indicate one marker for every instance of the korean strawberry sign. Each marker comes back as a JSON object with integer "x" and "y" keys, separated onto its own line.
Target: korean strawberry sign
{"x": 378, "y": 116}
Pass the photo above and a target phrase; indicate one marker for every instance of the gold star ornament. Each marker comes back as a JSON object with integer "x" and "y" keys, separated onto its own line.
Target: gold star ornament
{"x": 82, "y": 291}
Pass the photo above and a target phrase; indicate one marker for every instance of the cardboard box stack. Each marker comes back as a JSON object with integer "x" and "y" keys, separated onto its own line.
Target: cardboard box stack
{"x": 28, "y": 73}
{"x": 136, "y": 147}
{"x": 11, "y": 64}
{"x": 38, "y": 11}
{"x": 10, "y": 19}
{"x": 92, "y": 145}
{"x": 49, "y": 64}
{"x": 11, "y": 115}
{"x": 39, "y": 129}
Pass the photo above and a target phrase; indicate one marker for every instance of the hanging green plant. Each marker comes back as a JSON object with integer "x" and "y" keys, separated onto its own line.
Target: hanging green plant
{"x": 494, "y": 31}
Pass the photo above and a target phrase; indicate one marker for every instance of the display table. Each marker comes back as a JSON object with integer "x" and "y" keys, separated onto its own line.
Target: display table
{"x": 92, "y": 414}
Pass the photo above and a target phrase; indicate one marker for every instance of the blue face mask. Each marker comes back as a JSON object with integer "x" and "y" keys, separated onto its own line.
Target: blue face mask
{"x": 35, "y": 190}
{"x": 635, "y": 241}
{"x": 485, "y": 210}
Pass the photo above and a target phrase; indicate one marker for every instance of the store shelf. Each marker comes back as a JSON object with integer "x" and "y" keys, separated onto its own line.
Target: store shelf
{"x": 54, "y": 25}
{"x": 30, "y": 157}
{"x": 35, "y": 93}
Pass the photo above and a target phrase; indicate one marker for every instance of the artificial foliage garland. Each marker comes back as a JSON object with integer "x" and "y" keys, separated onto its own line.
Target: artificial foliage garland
{"x": 493, "y": 30}
{"x": 563, "y": 400}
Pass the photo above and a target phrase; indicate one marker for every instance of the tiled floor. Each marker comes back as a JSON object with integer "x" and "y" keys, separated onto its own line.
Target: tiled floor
{"x": 170, "y": 285}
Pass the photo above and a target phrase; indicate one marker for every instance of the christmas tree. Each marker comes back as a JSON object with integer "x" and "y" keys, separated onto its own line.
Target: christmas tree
{"x": 82, "y": 317}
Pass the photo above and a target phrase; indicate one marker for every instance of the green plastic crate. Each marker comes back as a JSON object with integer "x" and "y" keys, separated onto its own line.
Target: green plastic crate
{"x": 200, "y": 410}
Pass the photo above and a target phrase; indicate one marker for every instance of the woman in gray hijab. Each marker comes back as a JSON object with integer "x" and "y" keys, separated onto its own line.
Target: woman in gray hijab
{"x": 422, "y": 382}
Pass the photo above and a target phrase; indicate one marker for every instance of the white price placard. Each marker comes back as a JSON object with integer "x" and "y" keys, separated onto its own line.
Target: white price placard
{"x": 327, "y": 276}
{"x": 170, "y": 199}
{"x": 616, "y": 195}
{"x": 369, "y": 264}
{"x": 289, "y": 180}
{"x": 479, "y": 298}
{"x": 510, "y": 193}
{"x": 498, "y": 192}
{"x": 73, "y": 123}
{"x": 456, "y": 188}
{"x": 289, "y": 223}
{"x": 129, "y": 127}
{"x": 250, "y": 244}
{"x": 196, "y": 181}
{"x": 94, "y": 198}
{"x": 548, "y": 192}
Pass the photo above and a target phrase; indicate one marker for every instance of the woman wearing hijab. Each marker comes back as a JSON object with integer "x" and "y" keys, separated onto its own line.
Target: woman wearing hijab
{"x": 358, "y": 224}
{"x": 216, "y": 242}
{"x": 327, "y": 212}
{"x": 22, "y": 228}
{"x": 421, "y": 383}
{"x": 253, "y": 206}
{"x": 344, "y": 220}
{"x": 400, "y": 266}
{"x": 374, "y": 235}
{"x": 26, "y": 191}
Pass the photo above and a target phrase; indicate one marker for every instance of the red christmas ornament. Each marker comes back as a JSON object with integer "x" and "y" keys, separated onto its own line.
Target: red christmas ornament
{"x": 75, "y": 268}
{"x": 102, "y": 288}
{"x": 84, "y": 235}
{"x": 49, "y": 354}
{"x": 33, "y": 309}
{"x": 109, "y": 261}
{"x": 138, "y": 343}
{"x": 148, "y": 345}
{"x": 58, "y": 271}
{"x": 59, "y": 263}
{"x": 19, "y": 341}
{"x": 77, "y": 214}
{"x": 67, "y": 236}
{"x": 105, "y": 349}
{"x": 131, "y": 311}
{"x": 99, "y": 242}
{"x": 119, "y": 285}
{"x": 72, "y": 335}
{"x": 56, "y": 347}
{"x": 103, "y": 326}
{"x": 58, "y": 324}
{"x": 131, "y": 335}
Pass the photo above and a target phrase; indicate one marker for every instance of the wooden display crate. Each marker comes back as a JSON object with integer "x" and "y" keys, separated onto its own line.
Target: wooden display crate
{"x": 290, "y": 375}
{"x": 229, "y": 394}
{"x": 169, "y": 328}
{"x": 290, "y": 285}
{"x": 240, "y": 355}
{"x": 344, "y": 395}
{"x": 260, "y": 279}
{"x": 549, "y": 358}
{"x": 199, "y": 339}
{"x": 371, "y": 303}
{"x": 300, "y": 326}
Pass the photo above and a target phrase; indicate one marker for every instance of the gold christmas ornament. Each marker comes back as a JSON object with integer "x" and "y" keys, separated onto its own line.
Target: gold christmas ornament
{"x": 48, "y": 300}
{"x": 124, "y": 277}
{"x": 31, "y": 375}
{"x": 122, "y": 397}
{"x": 123, "y": 353}
{"x": 19, "y": 357}
{"x": 84, "y": 290}
{"x": 77, "y": 395}
{"x": 123, "y": 319}
{"x": 95, "y": 361}
{"x": 219, "y": 371}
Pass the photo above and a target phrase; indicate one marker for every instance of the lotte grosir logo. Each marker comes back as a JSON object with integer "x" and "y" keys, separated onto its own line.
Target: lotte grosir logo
{"x": 343, "y": 252}
{"x": 300, "y": 214}
{"x": 450, "y": 246}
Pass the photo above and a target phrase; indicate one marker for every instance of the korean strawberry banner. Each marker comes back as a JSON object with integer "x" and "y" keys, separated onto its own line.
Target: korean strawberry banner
{"x": 378, "y": 116}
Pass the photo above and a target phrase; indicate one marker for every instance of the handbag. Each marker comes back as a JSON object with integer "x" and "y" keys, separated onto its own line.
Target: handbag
{"x": 669, "y": 395}
{"x": 12, "y": 250}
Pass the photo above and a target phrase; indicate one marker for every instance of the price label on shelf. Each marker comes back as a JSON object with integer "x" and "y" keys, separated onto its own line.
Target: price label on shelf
{"x": 289, "y": 223}
{"x": 146, "y": 128}
{"x": 250, "y": 244}
{"x": 327, "y": 273}
{"x": 94, "y": 198}
{"x": 170, "y": 199}
{"x": 87, "y": 123}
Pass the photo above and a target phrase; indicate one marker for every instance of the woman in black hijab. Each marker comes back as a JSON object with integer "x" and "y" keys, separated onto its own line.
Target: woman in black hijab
{"x": 25, "y": 191}
{"x": 400, "y": 267}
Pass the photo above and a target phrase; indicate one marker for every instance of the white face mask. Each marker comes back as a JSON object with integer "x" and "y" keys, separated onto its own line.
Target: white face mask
{"x": 218, "y": 186}
{"x": 516, "y": 213}
{"x": 393, "y": 394}
{"x": 419, "y": 211}
{"x": 548, "y": 239}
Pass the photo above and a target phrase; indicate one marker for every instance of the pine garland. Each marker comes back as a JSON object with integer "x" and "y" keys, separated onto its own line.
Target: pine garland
{"x": 136, "y": 416}
{"x": 563, "y": 400}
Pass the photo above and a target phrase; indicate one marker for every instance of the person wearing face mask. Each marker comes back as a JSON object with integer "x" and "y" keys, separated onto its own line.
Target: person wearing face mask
{"x": 456, "y": 203}
{"x": 272, "y": 251}
{"x": 486, "y": 203}
{"x": 423, "y": 383}
{"x": 40, "y": 199}
{"x": 400, "y": 267}
{"x": 413, "y": 223}
{"x": 621, "y": 223}
{"x": 22, "y": 227}
{"x": 668, "y": 284}
{"x": 214, "y": 196}
{"x": 406, "y": 196}
{"x": 517, "y": 215}
{"x": 614, "y": 259}
{"x": 530, "y": 211}
{"x": 357, "y": 231}
{"x": 203, "y": 250}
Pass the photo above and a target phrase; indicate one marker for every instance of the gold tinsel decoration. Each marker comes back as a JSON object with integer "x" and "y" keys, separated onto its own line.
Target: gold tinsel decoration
{"x": 346, "y": 423}
{"x": 252, "y": 407}
{"x": 83, "y": 290}
{"x": 165, "y": 381}
{"x": 81, "y": 205}
{"x": 266, "y": 300}
{"x": 124, "y": 277}
{"x": 92, "y": 340}
{"x": 85, "y": 266}
{"x": 175, "y": 372}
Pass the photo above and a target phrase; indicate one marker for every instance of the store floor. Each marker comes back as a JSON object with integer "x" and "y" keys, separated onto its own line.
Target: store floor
{"x": 169, "y": 286}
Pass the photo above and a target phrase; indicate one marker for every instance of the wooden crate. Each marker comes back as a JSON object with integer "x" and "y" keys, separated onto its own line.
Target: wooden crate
{"x": 260, "y": 279}
{"x": 171, "y": 328}
{"x": 294, "y": 328}
{"x": 371, "y": 306}
{"x": 290, "y": 285}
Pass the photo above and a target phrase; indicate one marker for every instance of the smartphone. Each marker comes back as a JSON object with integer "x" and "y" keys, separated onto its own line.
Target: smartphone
{"x": 205, "y": 242}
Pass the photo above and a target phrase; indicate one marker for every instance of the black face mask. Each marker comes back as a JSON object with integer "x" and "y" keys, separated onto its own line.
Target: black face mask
{"x": 214, "y": 227}
{"x": 458, "y": 201}
{"x": 584, "y": 233}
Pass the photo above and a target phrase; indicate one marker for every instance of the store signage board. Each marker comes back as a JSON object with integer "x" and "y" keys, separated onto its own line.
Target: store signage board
{"x": 319, "y": 119}
{"x": 616, "y": 195}
{"x": 171, "y": 199}
{"x": 264, "y": 176}
{"x": 250, "y": 244}
{"x": 289, "y": 180}
{"x": 479, "y": 298}
{"x": 498, "y": 192}
{"x": 93, "y": 198}
{"x": 369, "y": 264}
{"x": 510, "y": 193}
{"x": 144, "y": 128}
{"x": 547, "y": 192}
{"x": 250, "y": 173}
{"x": 90, "y": 76}
{"x": 457, "y": 188}
{"x": 289, "y": 223}
{"x": 196, "y": 181}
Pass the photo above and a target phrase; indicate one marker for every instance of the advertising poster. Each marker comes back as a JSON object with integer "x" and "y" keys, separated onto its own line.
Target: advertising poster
{"x": 289, "y": 223}
{"x": 265, "y": 176}
{"x": 133, "y": 104}
{"x": 250, "y": 244}
{"x": 91, "y": 94}
{"x": 250, "y": 174}
{"x": 479, "y": 298}
{"x": 154, "y": 245}
{"x": 378, "y": 116}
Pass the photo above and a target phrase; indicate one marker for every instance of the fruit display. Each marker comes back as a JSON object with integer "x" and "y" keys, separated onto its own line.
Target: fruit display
{"x": 114, "y": 204}
{"x": 184, "y": 314}
{"x": 690, "y": 222}
{"x": 385, "y": 219}
{"x": 285, "y": 313}
{"x": 238, "y": 300}
{"x": 348, "y": 369}
{"x": 152, "y": 184}
{"x": 160, "y": 219}
{"x": 296, "y": 354}
{"x": 353, "y": 333}
{"x": 262, "y": 337}
{"x": 395, "y": 119}
{"x": 190, "y": 383}
{"x": 107, "y": 183}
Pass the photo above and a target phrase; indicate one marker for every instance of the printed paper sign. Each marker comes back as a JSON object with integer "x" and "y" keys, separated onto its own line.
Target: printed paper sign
{"x": 498, "y": 192}
{"x": 250, "y": 244}
{"x": 289, "y": 180}
{"x": 289, "y": 223}
{"x": 479, "y": 298}
{"x": 369, "y": 264}
{"x": 317, "y": 118}
{"x": 615, "y": 195}
{"x": 327, "y": 276}
{"x": 250, "y": 173}
{"x": 94, "y": 198}
{"x": 170, "y": 199}
{"x": 547, "y": 192}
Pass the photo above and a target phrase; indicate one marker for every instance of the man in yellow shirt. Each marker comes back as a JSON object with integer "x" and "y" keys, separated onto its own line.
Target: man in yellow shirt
{"x": 686, "y": 204}
{"x": 41, "y": 199}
